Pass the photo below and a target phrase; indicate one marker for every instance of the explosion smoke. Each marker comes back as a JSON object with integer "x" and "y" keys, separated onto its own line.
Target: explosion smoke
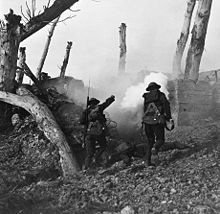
{"x": 130, "y": 111}
{"x": 133, "y": 95}
{"x": 127, "y": 110}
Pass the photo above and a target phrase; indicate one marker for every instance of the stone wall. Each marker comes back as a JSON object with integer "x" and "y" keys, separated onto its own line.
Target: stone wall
{"x": 216, "y": 100}
{"x": 191, "y": 102}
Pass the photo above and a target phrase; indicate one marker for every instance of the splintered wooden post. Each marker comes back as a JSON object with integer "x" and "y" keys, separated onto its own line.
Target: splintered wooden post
{"x": 123, "y": 49}
{"x": 197, "y": 43}
{"x": 181, "y": 43}
{"x": 9, "y": 43}
{"x": 46, "y": 48}
{"x": 66, "y": 59}
{"x": 30, "y": 74}
{"x": 22, "y": 60}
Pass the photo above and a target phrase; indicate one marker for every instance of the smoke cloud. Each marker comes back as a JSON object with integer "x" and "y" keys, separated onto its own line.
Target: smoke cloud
{"x": 133, "y": 95}
{"x": 127, "y": 111}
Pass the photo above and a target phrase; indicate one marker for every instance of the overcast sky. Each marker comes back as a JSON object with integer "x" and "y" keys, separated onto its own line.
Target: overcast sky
{"x": 153, "y": 28}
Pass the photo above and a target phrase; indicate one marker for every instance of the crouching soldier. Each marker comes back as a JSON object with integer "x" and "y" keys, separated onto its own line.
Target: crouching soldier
{"x": 95, "y": 122}
{"x": 156, "y": 112}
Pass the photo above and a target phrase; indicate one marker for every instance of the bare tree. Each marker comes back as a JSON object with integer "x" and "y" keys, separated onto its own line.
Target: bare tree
{"x": 66, "y": 59}
{"x": 123, "y": 48}
{"x": 46, "y": 48}
{"x": 197, "y": 43}
{"x": 22, "y": 60}
{"x": 181, "y": 43}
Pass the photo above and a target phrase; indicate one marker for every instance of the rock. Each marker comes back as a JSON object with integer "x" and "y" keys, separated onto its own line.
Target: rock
{"x": 172, "y": 191}
{"x": 175, "y": 211}
{"x": 127, "y": 210}
{"x": 162, "y": 180}
{"x": 202, "y": 209}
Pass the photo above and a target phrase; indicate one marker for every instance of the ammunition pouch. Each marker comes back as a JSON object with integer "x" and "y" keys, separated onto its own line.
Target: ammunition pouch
{"x": 154, "y": 119}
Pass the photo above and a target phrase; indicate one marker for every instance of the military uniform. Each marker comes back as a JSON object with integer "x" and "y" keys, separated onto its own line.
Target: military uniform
{"x": 156, "y": 112}
{"x": 96, "y": 128}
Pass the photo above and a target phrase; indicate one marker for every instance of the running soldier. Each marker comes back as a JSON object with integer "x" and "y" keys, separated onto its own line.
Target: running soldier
{"x": 156, "y": 113}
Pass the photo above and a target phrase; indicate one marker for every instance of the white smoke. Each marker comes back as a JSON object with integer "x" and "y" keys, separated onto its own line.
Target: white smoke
{"x": 129, "y": 110}
{"x": 133, "y": 95}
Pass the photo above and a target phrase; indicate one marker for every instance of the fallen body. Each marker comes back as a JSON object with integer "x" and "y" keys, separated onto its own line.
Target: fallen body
{"x": 125, "y": 151}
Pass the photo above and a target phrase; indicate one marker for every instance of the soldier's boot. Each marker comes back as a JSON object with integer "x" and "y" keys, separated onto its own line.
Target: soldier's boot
{"x": 88, "y": 160}
{"x": 157, "y": 146}
{"x": 148, "y": 153}
{"x": 155, "y": 152}
{"x": 126, "y": 159}
{"x": 87, "y": 163}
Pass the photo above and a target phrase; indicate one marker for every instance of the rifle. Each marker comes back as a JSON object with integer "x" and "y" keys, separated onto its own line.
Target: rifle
{"x": 86, "y": 117}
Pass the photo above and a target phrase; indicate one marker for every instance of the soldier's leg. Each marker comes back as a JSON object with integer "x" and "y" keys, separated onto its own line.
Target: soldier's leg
{"x": 90, "y": 150}
{"x": 102, "y": 143}
{"x": 160, "y": 137}
{"x": 151, "y": 140}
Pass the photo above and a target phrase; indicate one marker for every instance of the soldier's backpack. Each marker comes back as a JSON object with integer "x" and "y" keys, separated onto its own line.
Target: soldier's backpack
{"x": 152, "y": 114}
{"x": 96, "y": 124}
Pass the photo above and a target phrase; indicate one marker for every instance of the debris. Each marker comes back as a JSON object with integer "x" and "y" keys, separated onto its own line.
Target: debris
{"x": 127, "y": 210}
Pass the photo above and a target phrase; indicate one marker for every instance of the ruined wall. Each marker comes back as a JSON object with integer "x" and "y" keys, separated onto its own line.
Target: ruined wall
{"x": 191, "y": 102}
{"x": 216, "y": 100}
{"x": 73, "y": 88}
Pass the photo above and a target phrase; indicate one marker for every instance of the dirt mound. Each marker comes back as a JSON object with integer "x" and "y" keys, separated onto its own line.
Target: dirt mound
{"x": 27, "y": 156}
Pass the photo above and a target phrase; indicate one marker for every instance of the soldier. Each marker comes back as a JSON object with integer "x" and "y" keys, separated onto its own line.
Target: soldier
{"x": 94, "y": 120}
{"x": 156, "y": 113}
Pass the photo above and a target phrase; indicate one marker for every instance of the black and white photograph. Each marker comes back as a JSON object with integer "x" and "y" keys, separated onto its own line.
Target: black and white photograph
{"x": 109, "y": 107}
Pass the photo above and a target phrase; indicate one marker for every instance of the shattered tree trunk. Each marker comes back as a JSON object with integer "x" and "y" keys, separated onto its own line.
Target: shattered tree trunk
{"x": 46, "y": 48}
{"x": 30, "y": 74}
{"x": 22, "y": 60}
{"x": 197, "y": 43}
{"x": 123, "y": 49}
{"x": 46, "y": 122}
{"x": 26, "y": 70}
{"x": 181, "y": 43}
{"x": 66, "y": 59}
{"x": 11, "y": 34}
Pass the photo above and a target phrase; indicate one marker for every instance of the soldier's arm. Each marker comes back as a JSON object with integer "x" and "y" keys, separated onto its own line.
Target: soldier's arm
{"x": 144, "y": 106}
{"x": 166, "y": 106}
{"x": 107, "y": 103}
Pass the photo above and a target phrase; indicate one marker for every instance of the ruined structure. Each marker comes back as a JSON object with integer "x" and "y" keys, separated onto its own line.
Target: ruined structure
{"x": 72, "y": 88}
{"x": 192, "y": 102}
